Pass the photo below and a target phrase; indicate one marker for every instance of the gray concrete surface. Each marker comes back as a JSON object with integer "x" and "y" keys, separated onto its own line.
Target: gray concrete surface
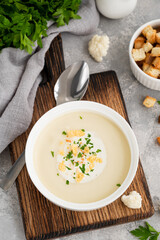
{"x": 144, "y": 121}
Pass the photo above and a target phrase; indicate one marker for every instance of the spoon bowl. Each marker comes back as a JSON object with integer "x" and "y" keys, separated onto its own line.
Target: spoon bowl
{"x": 72, "y": 83}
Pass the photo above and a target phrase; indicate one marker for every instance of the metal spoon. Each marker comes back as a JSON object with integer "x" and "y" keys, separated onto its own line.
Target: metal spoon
{"x": 70, "y": 86}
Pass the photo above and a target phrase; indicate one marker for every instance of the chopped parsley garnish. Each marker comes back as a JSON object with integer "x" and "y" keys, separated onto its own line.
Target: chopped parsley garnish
{"x": 57, "y": 174}
{"x": 94, "y": 153}
{"x": 118, "y": 184}
{"x": 80, "y": 117}
{"x": 88, "y": 141}
{"x": 74, "y": 142}
{"x": 68, "y": 168}
{"x": 69, "y": 155}
{"x": 89, "y": 135}
{"x": 64, "y": 133}
{"x": 72, "y": 161}
{"x": 67, "y": 182}
{"x": 74, "y": 173}
{"x": 158, "y": 102}
{"x": 83, "y": 147}
{"x": 91, "y": 170}
{"x": 82, "y": 130}
{"x": 82, "y": 168}
{"x": 91, "y": 147}
{"x": 74, "y": 177}
{"x": 79, "y": 155}
{"x": 79, "y": 139}
{"x": 87, "y": 174}
{"x": 52, "y": 153}
{"x": 98, "y": 150}
{"x": 77, "y": 164}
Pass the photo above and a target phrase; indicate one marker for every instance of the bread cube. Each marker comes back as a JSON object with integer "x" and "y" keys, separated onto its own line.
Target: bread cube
{"x": 158, "y": 37}
{"x": 156, "y": 62}
{"x": 155, "y": 52}
{"x": 151, "y": 36}
{"x": 146, "y": 29}
{"x": 139, "y": 42}
{"x": 158, "y": 140}
{"x": 147, "y": 47}
{"x": 149, "y": 102}
{"x": 145, "y": 67}
{"x": 153, "y": 72}
{"x": 149, "y": 59}
{"x": 138, "y": 54}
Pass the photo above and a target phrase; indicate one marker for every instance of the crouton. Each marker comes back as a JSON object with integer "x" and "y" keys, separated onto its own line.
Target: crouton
{"x": 146, "y": 29}
{"x": 156, "y": 62}
{"x": 145, "y": 66}
{"x": 149, "y": 102}
{"x": 151, "y": 36}
{"x": 158, "y": 37}
{"x": 139, "y": 42}
{"x": 155, "y": 52}
{"x": 138, "y": 54}
{"x": 149, "y": 59}
{"x": 153, "y": 72}
{"x": 147, "y": 47}
{"x": 158, "y": 140}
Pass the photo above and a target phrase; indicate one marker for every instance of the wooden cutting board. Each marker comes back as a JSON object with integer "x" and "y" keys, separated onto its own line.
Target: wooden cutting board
{"x": 41, "y": 218}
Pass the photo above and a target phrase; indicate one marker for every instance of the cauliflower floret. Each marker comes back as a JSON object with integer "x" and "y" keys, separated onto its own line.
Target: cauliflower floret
{"x": 133, "y": 200}
{"x": 98, "y": 47}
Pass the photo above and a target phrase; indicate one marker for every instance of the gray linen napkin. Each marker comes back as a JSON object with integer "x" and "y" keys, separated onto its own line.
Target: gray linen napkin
{"x": 20, "y": 75}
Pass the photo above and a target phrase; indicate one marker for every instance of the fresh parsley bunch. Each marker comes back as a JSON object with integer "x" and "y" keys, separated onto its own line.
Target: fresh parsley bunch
{"x": 144, "y": 233}
{"x": 24, "y": 22}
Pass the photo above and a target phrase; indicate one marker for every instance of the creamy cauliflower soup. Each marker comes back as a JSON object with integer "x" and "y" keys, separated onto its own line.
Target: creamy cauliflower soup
{"x": 82, "y": 157}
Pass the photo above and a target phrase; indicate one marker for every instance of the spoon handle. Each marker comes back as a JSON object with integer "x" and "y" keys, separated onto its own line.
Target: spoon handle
{"x": 7, "y": 181}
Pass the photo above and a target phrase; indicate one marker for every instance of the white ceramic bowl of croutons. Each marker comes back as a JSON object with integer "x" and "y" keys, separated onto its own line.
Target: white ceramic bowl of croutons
{"x": 140, "y": 75}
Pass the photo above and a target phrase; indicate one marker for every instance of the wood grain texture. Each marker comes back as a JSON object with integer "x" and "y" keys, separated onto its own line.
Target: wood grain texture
{"x": 42, "y": 219}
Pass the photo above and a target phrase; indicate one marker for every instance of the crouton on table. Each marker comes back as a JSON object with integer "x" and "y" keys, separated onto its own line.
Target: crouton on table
{"x": 149, "y": 101}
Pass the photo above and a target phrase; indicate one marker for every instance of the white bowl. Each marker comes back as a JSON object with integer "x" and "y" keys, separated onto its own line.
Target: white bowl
{"x": 97, "y": 109}
{"x": 142, "y": 77}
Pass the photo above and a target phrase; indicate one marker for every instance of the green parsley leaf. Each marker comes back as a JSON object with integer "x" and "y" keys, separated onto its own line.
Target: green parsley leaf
{"x": 91, "y": 147}
{"x": 72, "y": 161}
{"x": 82, "y": 168}
{"x": 91, "y": 170}
{"x": 80, "y": 117}
{"x": 67, "y": 182}
{"x": 74, "y": 178}
{"x": 69, "y": 155}
{"x": 158, "y": 102}
{"x": 64, "y": 133}
{"x": 79, "y": 155}
{"x": 68, "y": 168}
{"x": 118, "y": 184}
{"x": 52, "y": 153}
{"x": 22, "y": 23}
{"x": 89, "y": 135}
{"x": 98, "y": 150}
{"x": 77, "y": 164}
{"x": 144, "y": 233}
{"x": 57, "y": 174}
{"x": 82, "y": 130}
{"x": 83, "y": 147}
{"x": 88, "y": 141}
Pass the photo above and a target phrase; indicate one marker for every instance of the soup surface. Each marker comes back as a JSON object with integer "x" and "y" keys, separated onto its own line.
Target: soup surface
{"x": 82, "y": 157}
